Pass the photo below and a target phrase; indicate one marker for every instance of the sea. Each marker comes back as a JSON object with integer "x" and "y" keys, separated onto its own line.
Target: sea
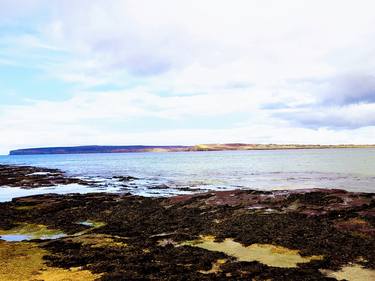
{"x": 172, "y": 173}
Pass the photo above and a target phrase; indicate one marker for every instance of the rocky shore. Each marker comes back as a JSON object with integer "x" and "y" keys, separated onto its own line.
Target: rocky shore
{"x": 32, "y": 177}
{"x": 314, "y": 234}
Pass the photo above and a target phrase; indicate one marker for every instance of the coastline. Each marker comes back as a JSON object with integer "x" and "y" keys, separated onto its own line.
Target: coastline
{"x": 177, "y": 148}
{"x": 324, "y": 232}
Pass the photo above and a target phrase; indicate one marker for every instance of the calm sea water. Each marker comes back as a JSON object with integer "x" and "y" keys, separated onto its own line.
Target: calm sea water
{"x": 171, "y": 173}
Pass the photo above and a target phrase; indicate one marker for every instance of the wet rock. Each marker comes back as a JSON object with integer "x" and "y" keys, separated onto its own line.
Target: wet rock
{"x": 143, "y": 238}
{"x": 125, "y": 178}
{"x": 159, "y": 186}
{"x": 127, "y": 237}
{"x": 32, "y": 177}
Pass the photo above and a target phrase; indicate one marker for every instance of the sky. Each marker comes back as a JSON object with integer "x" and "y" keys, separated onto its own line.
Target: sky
{"x": 186, "y": 72}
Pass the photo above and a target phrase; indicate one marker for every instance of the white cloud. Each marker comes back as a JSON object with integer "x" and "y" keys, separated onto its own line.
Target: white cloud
{"x": 276, "y": 39}
{"x": 185, "y": 59}
{"x": 349, "y": 116}
{"x": 76, "y": 121}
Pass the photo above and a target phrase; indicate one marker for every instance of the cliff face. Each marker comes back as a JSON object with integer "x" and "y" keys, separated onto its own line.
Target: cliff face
{"x": 96, "y": 149}
{"x": 245, "y": 146}
{"x": 173, "y": 148}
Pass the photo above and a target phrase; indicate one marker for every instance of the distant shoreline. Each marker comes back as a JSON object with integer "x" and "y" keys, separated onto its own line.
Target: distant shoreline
{"x": 175, "y": 148}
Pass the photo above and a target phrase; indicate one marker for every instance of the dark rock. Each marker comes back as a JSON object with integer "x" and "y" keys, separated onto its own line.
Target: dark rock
{"x": 32, "y": 177}
{"x": 336, "y": 224}
{"x": 125, "y": 178}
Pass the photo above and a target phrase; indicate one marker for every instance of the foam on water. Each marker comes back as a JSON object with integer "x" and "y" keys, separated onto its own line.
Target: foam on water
{"x": 166, "y": 174}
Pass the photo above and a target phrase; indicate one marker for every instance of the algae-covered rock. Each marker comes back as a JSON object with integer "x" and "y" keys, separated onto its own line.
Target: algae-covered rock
{"x": 307, "y": 235}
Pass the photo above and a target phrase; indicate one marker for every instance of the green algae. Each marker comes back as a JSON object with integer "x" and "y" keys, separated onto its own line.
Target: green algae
{"x": 23, "y": 261}
{"x": 97, "y": 241}
{"x": 270, "y": 255}
{"x": 24, "y": 208}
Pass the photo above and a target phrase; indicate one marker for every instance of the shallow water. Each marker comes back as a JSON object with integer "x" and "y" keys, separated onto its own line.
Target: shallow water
{"x": 8, "y": 193}
{"x": 15, "y": 237}
{"x": 23, "y": 237}
{"x": 165, "y": 174}
{"x": 30, "y": 231}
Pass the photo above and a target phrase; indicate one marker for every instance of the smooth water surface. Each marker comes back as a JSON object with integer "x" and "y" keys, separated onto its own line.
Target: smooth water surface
{"x": 350, "y": 169}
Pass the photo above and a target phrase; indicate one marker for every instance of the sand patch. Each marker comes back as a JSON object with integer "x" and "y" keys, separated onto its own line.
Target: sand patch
{"x": 23, "y": 261}
{"x": 352, "y": 272}
{"x": 270, "y": 255}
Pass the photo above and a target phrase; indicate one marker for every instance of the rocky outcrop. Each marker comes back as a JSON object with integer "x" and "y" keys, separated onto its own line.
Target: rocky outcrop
{"x": 139, "y": 238}
{"x": 32, "y": 177}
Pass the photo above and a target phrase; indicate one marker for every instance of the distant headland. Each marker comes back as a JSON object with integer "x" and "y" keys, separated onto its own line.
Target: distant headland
{"x": 175, "y": 148}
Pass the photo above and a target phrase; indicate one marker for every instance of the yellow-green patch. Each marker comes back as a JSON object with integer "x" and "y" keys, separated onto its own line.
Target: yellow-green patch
{"x": 21, "y": 208}
{"x": 23, "y": 261}
{"x": 352, "y": 272}
{"x": 215, "y": 267}
{"x": 98, "y": 241}
{"x": 93, "y": 224}
{"x": 270, "y": 255}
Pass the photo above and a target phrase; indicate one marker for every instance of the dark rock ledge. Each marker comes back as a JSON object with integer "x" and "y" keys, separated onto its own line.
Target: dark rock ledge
{"x": 32, "y": 177}
{"x": 139, "y": 238}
